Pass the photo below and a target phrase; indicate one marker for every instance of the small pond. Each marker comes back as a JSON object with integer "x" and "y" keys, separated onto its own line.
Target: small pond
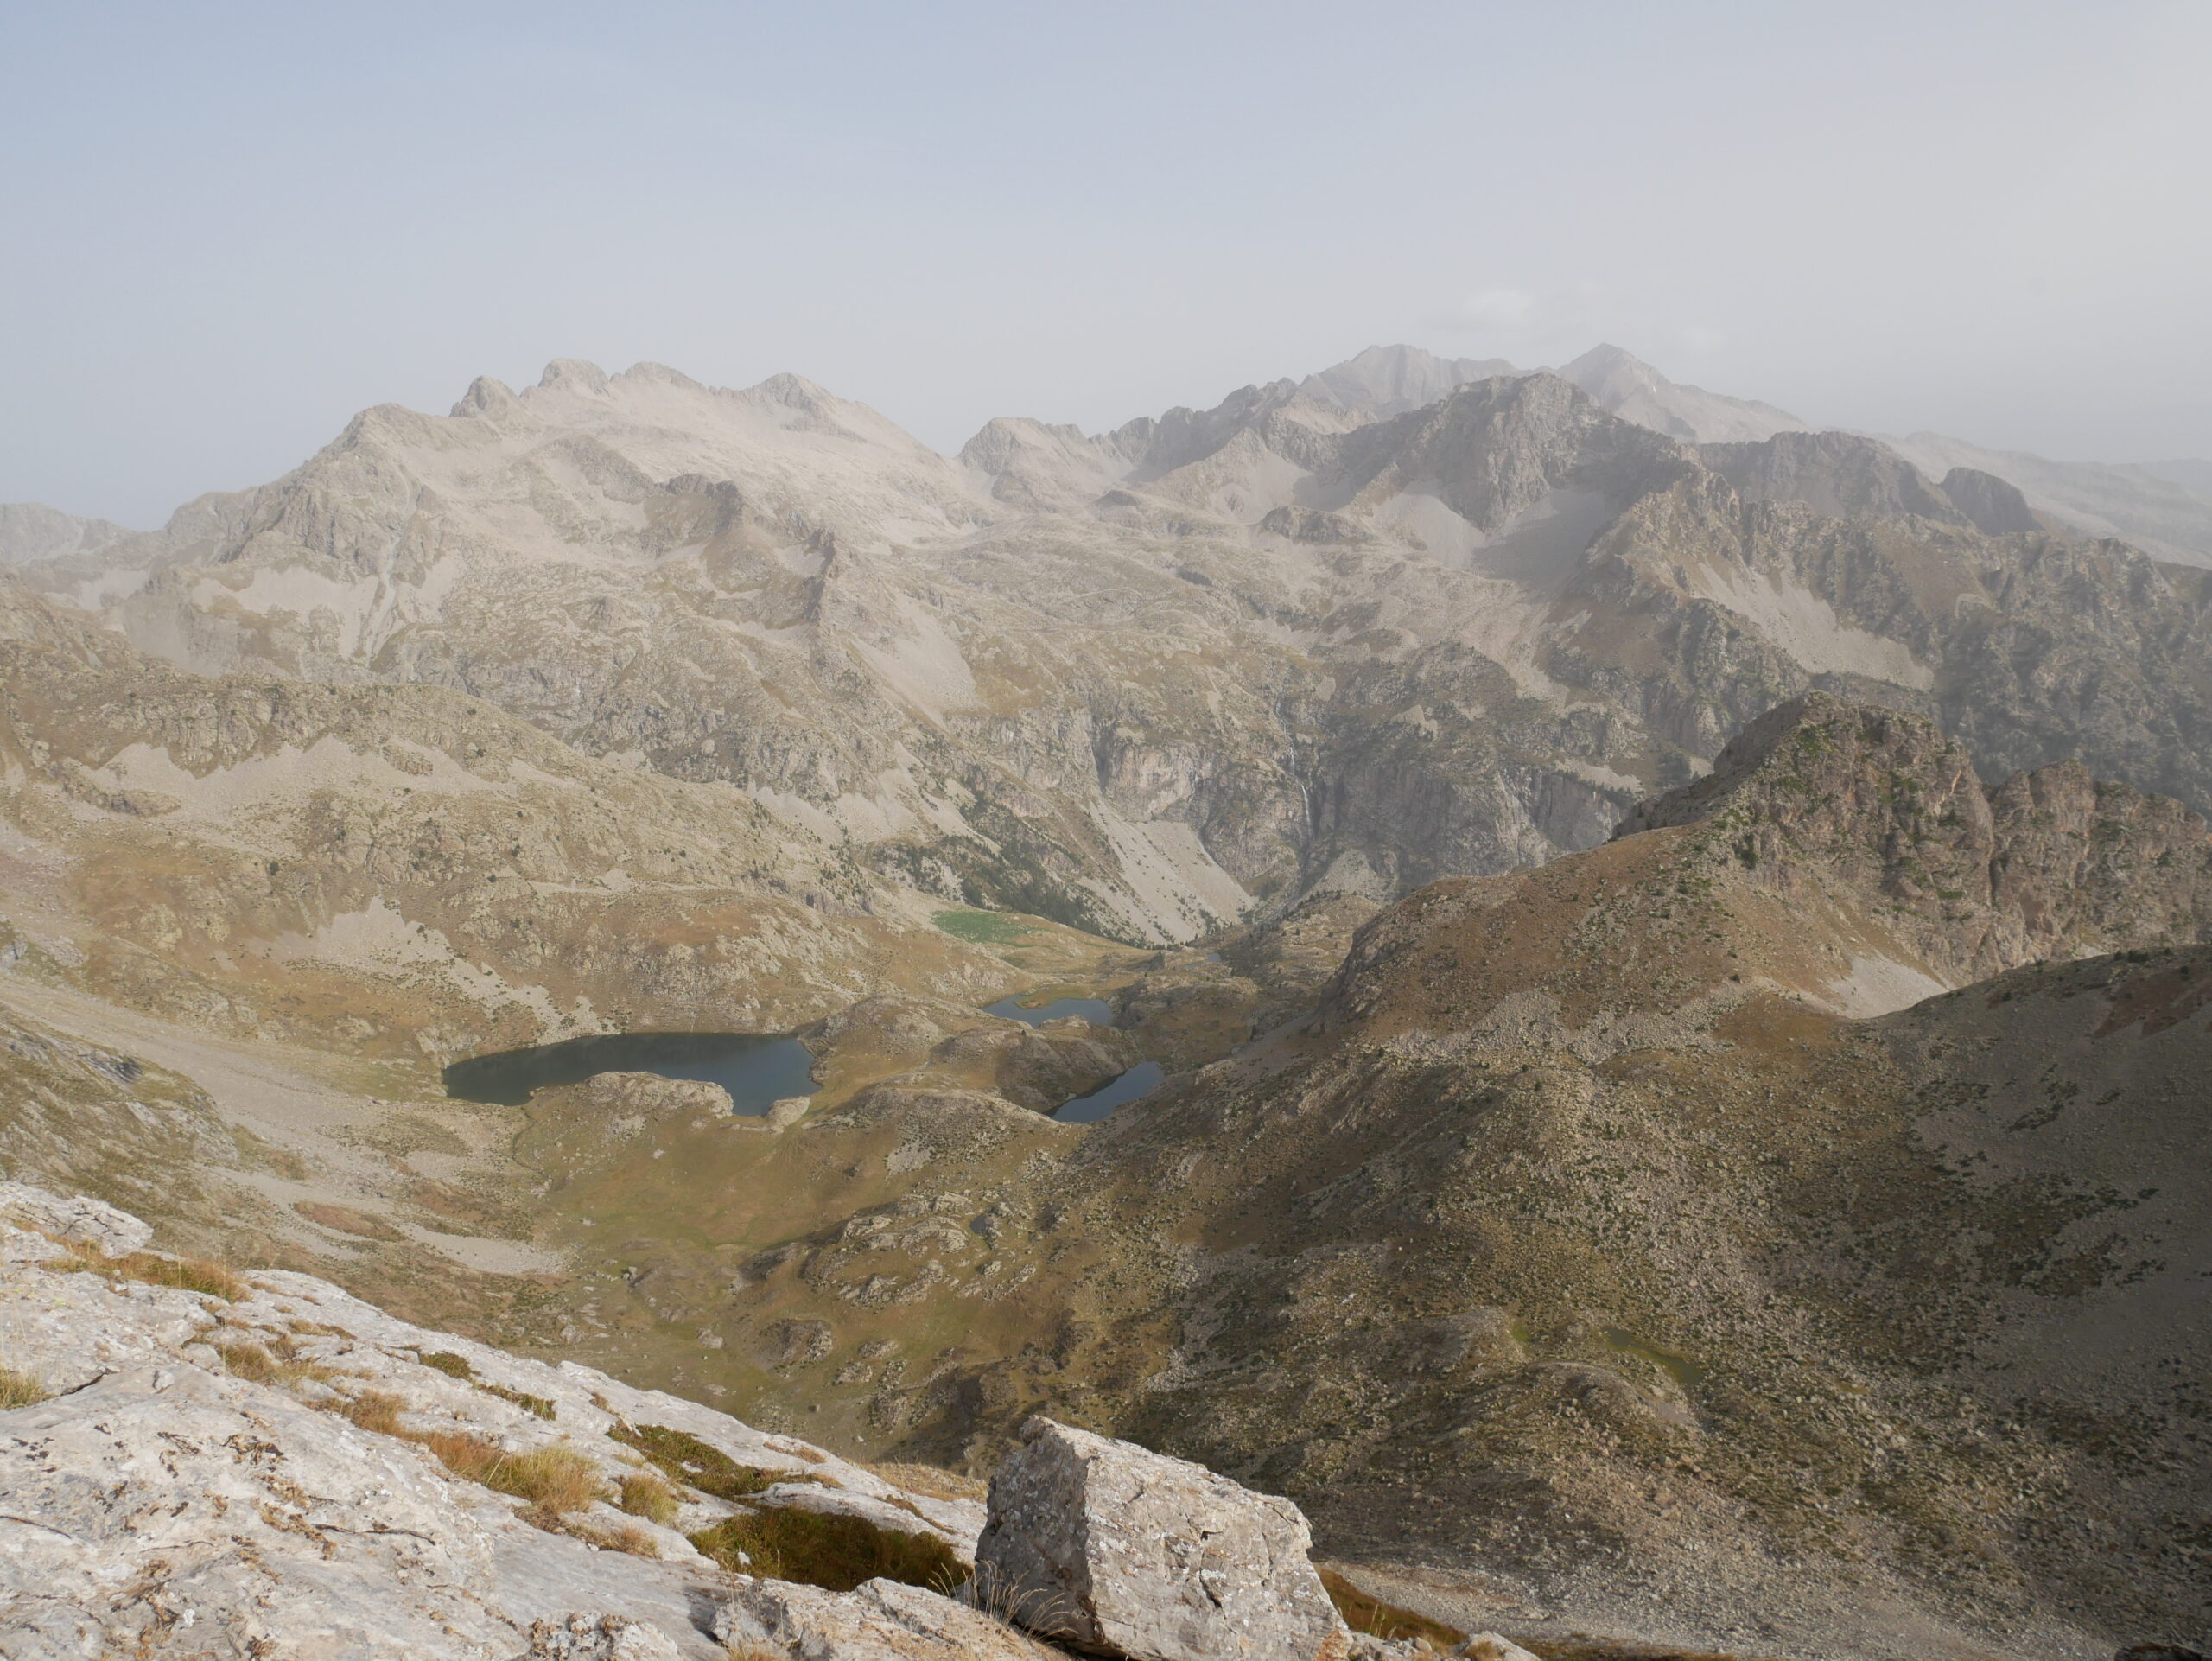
{"x": 756, "y": 1068}
{"x": 1091, "y": 1009}
{"x": 1087, "y": 1110}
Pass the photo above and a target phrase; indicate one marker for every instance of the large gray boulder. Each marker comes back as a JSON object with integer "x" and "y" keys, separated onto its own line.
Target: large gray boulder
{"x": 1116, "y": 1550}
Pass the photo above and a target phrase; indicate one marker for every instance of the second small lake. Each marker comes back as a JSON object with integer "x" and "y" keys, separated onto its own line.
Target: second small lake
{"x": 758, "y": 1069}
{"x": 1087, "y": 1110}
{"x": 1096, "y": 1010}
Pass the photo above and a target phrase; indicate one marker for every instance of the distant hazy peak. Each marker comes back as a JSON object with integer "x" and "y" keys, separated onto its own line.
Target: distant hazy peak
{"x": 31, "y": 530}
{"x": 1635, "y": 391}
{"x": 488, "y": 398}
{"x": 2191, "y": 473}
{"x": 574, "y": 374}
{"x": 2163, "y": 508}
{"x": 1387, "y": 380}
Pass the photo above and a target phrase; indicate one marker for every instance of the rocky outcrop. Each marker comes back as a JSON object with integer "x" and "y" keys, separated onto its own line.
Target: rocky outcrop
{"x": 630, "y": 1099}
{"x": 262, "y": 1463}
{"x": 1993, "y": 506}
{"x": 76, "y": 1220}
{"x": 1124, "y": 1552}
{"x": 1841, "y": 475}
{"x": 1822, "y": 795}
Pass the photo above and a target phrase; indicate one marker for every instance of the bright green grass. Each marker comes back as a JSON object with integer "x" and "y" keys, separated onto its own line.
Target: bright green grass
{"x": 981, "y": 927}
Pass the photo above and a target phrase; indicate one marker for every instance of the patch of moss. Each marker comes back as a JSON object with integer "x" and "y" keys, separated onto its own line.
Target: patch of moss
{"x": 833, "y": 1552}
{"x": 538, "y": 1404}
{"x": 686, "y": 1460}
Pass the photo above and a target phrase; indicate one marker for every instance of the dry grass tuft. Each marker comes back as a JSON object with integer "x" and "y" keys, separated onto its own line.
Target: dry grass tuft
{"x": 542, "y": 1406}
{"x": 375, "y": 1409}
{"x": 454, "y": 1366}
{"x": 272, "y": 1361}
{"x": 20, "y": 1389}
{"x": 558, "y": 1480}
{"x": 1042, "y": 1611}
{"x": 188, "y": 1274}
{"x": 931, "y": 1481}
{"x": 467, "y": 1455}
{"x": 555, "y": 1480}
{"x": 647, "y": 1495}
{"x": 626, "y": 1536}
{"x": 823, "y": 1548}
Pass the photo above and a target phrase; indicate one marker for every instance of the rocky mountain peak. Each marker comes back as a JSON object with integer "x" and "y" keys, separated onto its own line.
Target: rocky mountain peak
{"x": 1825, "y": 799}
{"x": 488, "y": 397}
{"x": 32, "y": 530}
{"x": 1633, "y": 390}
{"x": 1994, "y": 506}
{"x": 1834, "y": 472}
{"x": 572, "y": 374}
{"x": 1387, "y": 380}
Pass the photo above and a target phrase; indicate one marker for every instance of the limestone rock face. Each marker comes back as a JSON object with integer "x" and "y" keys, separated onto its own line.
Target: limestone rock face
{"x": 79, "y": 1220}
{"x": 1115, "y": 1548}
{"x": 610, "y": 1638}
{"x": 881, "y": 1620}
{"x": 166, "y": 1498}
{"x": 287, "y": 1470}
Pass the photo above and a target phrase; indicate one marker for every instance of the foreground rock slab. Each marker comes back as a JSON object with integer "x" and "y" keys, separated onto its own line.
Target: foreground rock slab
{"x": 280, "y": 1469}
{"x": 881, "y": 1621}
{"x": 1115, "y": 1548}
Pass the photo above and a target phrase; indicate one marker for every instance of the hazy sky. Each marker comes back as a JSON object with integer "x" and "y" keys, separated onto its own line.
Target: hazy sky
{"x": 229, "y": 227}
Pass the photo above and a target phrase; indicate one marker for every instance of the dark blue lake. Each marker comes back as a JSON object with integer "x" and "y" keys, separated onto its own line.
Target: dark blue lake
{"x": 756, "y": 1068}
{"x": 1087, "y": 1110}
{"x": 1093, "y": 1009}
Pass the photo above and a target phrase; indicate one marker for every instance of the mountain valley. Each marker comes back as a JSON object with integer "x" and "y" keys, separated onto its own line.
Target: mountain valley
{"x": 1678, "y": 945}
